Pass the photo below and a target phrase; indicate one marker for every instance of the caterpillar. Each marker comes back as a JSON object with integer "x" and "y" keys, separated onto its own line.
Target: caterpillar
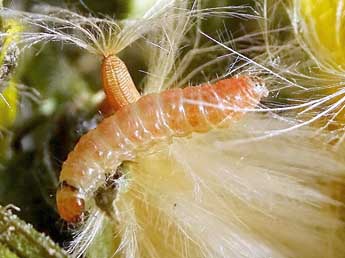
{"x": 153, "y": 118}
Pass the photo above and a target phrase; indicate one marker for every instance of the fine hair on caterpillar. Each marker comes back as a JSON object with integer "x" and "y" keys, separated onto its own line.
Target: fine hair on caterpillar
{"x": 153, "y": 118}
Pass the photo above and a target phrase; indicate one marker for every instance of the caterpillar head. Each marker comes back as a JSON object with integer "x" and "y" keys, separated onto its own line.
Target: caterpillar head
{"x": 70, "y": 203}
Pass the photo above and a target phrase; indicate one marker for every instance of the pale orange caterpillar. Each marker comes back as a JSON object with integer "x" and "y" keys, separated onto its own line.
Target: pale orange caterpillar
{"x": 153, "y": 118}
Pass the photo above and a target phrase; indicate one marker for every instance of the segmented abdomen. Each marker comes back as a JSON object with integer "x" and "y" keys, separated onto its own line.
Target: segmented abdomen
{"x": 155, "y": 117}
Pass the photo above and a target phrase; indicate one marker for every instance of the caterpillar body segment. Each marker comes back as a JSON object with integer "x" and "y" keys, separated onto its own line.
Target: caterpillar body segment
{"x": 117, "y": 83}
{"x": 153, "y": 118}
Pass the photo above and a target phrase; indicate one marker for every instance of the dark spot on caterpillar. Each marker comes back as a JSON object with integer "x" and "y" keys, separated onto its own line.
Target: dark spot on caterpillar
{"x": 106, "y": 194}
{"x": 65, "y": 184}
{"x": 70, "y": 202}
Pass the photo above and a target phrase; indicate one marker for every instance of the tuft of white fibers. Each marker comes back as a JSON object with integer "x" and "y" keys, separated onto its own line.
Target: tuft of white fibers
{"x": 107, "y": 35}
{"x": 214, "y": 195}
{"x": 301, "y": 56}
{"x": 180, "y": 42}
{"x": 101, "y": 36}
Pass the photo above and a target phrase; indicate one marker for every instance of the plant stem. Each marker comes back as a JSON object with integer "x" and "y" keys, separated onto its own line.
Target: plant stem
{"x": 22, "y": 240}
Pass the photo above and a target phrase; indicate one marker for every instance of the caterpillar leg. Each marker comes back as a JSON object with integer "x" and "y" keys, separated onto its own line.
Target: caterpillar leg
{"x": 107, "y": 193}
{"x": 104, "y": 199}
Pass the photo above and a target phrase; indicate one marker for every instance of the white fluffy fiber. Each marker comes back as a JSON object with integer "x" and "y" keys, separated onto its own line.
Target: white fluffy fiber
{"x": 228, "y": 193}
{"x": 214, "y": 195}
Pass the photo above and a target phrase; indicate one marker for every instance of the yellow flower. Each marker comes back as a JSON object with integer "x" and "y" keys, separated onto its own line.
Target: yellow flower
{"x": 9, "y": 96}
{"x": 8, "y": 105}
{"x": 323, "y": 28}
